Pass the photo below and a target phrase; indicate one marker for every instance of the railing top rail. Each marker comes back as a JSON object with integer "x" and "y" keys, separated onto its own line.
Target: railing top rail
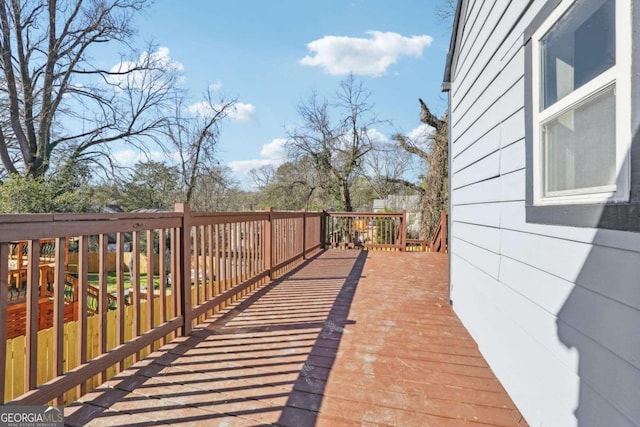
{"x": 19, "y": 227}
{"x": 242, "y": 214}
{"x": 365, "y": 214}
{"x": 86, "y": 224}
{"x": 100, "y": 216}
{"x": 288, "y": 214}
{"x": 202, "y": 218}
{"x": 209, "y": 218}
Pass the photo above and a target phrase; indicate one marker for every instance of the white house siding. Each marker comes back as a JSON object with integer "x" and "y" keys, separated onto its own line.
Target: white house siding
{"x": 555, "y": 310}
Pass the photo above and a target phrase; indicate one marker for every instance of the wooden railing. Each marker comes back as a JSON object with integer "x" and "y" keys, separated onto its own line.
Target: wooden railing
{"x": 366, "y": 230}
{"x": 206, "y": 260}
{"x": 439, "y": 239}
{"x": 380, "y": 231}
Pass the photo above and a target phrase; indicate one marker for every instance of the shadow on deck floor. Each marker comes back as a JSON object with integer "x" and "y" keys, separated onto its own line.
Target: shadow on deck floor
{"x": 350, "y": 338}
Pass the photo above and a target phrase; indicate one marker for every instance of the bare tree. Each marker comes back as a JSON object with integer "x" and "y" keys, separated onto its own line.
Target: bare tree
{"x": 194, "y": 135}
{"x": 435, "y": 154}
{"x": 385, "y": 170}
{"x": 447, "y": 10}
{"x": 55, "y": 100}
{"x": 336, "y": 137}
{"x": 263, "y": 176}
{"x": 216, "y": 190}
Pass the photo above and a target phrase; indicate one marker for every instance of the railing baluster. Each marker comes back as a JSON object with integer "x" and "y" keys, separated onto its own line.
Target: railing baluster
{"x": 195, "y": 271}
{"x": 4, "y": 300}
{"x": 243, "y": 243}
{"x": 162, "y": 273}
{"x": 254, "y": 248}
{"x": 103, "y": 304}
{"x": 83, "y": 275}
{"x": 234, "y": 258}
{"x": 210, "y": 283}
{"x": 32, "y": 321}
{"x": 218, "y": 252}
{"x": 268, "y": 244}
{"x": 203, "y": 254}
{"x": 239, "y": 259}
{"x": 120, "y": 300}
{"x": 174, "y": 274}
{"x": 238, "y": 254}
{"x": 150, "y": 282}
{"x": 135, "y": 287}
{"x": 226, "y": 264}
{"x": 184, "y": 265}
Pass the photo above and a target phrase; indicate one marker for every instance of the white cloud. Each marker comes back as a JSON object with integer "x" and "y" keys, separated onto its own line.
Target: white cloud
{"x": 200, "y": 109}
{"x": 128, "y": 157}
{"x": 215, "y": 86}
{"x": 151, "y": 62}
{"x": 421, "y": 133}
{"x": 363, "y": 56}
{"x": 272, "y": 154}
{"x": 243, "y": 113}
{"x": 376, "y": 136}
{"x": 240, "y": 113}
{"x": 242, "y": 167}
{"x": 275, "y": 150}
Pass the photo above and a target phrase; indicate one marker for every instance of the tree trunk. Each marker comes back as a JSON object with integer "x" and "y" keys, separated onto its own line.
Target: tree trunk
{"x": 346, "y": 196}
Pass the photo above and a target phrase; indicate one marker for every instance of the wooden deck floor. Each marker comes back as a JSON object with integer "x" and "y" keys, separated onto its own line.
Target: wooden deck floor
{"x": 351, "y": 338}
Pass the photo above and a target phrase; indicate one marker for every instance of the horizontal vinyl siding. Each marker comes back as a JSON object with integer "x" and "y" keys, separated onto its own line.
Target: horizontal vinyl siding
{"x": 481, "y": 214}
{"x": 555, "y": 310}
{"x": 507, "y": 347}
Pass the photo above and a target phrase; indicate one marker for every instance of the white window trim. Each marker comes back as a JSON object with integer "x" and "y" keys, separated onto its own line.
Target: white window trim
{"x": 618, "y": 75}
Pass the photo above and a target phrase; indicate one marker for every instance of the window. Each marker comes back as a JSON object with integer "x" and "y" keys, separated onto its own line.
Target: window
{"x": 581, "y": 104}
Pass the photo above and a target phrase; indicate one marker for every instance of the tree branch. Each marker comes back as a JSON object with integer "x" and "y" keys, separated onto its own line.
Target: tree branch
{"x": 411, "y": 148}
{"x": 428, "y": 118}
{"x": 407, "y": 184}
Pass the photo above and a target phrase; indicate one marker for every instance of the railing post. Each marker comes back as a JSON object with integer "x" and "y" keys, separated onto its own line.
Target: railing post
{"x": 184, "y": 267}
{"x": 268, "y": 244}
{"x": 31, "y": 328}
{"x": 4, "y": 297}
{"x": 403, "y": 231}
{"x": 445, "y": 239}
{"x": 323, "y": 229}
{"x": 304, "y": 233}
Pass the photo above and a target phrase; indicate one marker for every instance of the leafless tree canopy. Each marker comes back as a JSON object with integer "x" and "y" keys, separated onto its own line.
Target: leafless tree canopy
{"x": 336, "y": 136}
{"x": 216, "y": 190}
{"x": 194, "y": 137}
{"x": 54, "y": 99}
{"x": 263, "y": 176}
{"x": 292, "y": 185}
{"x": 447, "y": 10}
{"x": 386, "y": 168}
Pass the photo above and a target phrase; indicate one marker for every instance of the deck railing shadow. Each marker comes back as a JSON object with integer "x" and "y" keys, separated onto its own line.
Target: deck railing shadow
{"x": 248, "y": 361}
{"x": 305, "y": 400}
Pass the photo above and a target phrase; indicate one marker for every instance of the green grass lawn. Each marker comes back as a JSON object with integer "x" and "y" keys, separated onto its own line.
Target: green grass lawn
{"x": 112, "y": 284}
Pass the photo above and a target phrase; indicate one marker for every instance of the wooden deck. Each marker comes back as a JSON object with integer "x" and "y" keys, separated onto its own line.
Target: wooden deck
{"x": 350, "y": 338}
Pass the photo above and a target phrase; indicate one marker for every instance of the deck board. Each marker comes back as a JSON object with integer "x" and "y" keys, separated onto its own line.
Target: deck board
{"x": 350, "y": 338}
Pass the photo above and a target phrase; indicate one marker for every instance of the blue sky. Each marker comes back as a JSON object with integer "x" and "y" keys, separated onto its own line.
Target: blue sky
{"x": 271, "y": 55}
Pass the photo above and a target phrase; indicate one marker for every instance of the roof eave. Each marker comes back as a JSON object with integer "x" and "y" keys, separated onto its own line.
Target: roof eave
{"x": 446, "y": 81}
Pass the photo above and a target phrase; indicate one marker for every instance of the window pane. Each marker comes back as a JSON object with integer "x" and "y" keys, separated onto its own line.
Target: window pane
{"x": 580, "y": 149}
{"x": 579, "y": 47}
